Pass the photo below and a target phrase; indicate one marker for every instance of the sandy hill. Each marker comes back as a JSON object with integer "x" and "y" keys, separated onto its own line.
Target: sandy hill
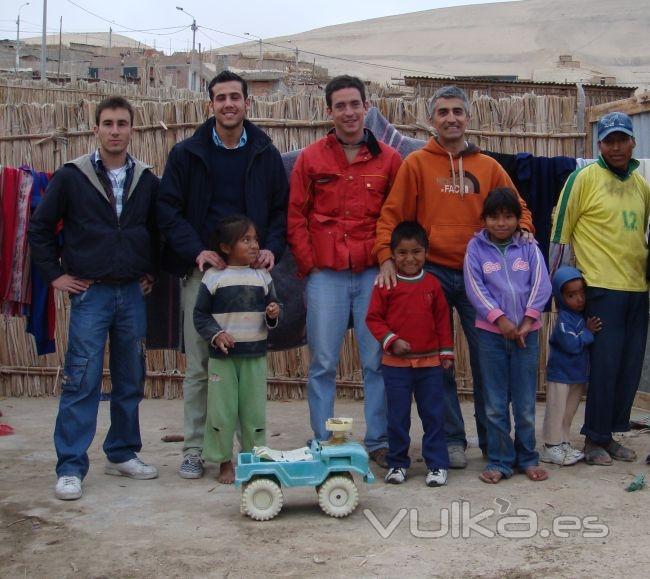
{"x": 522, "y": 38}
{"x": 90, "y": 38}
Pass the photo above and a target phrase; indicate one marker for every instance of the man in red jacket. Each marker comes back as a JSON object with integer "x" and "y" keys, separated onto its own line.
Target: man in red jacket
{"x": 337, "y": 189}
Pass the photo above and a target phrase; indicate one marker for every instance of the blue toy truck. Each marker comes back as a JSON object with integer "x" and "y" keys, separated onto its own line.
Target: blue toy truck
{"x": 329, "y": 469}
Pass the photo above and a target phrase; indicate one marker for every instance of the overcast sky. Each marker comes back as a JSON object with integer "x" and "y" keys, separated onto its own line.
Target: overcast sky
{"x": 159, "y": 23}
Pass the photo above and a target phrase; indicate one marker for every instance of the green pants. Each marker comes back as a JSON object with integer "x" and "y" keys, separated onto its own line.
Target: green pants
{"x": 236, "y": 389}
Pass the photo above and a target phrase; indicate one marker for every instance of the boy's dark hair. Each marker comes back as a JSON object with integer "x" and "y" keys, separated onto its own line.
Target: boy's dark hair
{"x": 113, "y": 102}
{"x": 341, "y": 82}
{"x": 229, "y": 231}
{"x": 409, "y": 230}
{"x": 227, "y": 76}
{"x": 498, "y": 200}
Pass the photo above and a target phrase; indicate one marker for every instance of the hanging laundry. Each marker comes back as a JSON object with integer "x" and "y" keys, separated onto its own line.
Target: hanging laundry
{"x": 14, "y": 265}
{"x": 41, "y": 320}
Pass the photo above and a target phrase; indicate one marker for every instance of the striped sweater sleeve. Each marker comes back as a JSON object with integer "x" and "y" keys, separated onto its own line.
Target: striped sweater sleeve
{"x": 204, "y": 322}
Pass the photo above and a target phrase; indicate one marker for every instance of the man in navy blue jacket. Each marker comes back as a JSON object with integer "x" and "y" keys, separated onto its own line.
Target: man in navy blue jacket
{"x": 106, "y": 201}
{"x": 228, "y": 166}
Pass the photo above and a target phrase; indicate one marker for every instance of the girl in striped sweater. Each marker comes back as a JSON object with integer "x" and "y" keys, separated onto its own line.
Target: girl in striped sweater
{"x": 235, "y": 307}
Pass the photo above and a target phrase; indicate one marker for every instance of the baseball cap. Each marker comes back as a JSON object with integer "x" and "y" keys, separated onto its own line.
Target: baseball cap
{"x": 614, "y": 122}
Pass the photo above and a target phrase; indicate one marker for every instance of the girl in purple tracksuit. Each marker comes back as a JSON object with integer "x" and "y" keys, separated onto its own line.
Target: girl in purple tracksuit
{"x": 507, "y": 282}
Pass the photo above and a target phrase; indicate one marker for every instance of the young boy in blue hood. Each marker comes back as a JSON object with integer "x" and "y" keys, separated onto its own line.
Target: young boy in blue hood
{"x": 567, "y": 371}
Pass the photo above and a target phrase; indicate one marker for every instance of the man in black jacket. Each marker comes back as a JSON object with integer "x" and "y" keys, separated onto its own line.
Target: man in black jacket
{"x": 228, "y": 166}
{"x": 106, "y": 201}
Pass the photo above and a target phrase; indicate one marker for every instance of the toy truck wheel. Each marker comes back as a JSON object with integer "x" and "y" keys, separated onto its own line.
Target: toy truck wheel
{"x": 338, "y": 496}
{"x": 262, "y": 499}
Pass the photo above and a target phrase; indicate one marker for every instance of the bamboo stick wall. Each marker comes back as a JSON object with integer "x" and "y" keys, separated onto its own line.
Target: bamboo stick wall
{"x": 57, "y": 127}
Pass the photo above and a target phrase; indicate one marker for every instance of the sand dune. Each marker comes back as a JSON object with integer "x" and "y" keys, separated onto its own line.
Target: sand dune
{"x": 518, "y": 38}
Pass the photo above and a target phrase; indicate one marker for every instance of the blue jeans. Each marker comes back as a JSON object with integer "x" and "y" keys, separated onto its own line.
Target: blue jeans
{"x": 426, "y": 385}
{"x": 332, "y": 298}
{"x": 509, "y": 377}
{"x": 117, "y": 312}
{"x": 616, "y": 359}
{"x": 453, "y": 285}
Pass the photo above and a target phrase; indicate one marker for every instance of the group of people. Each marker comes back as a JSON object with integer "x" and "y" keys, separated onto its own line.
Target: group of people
{"x": 386, "y": 247}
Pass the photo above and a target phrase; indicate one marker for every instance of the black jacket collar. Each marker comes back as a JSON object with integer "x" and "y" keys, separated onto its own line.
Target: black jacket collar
{"x": 201, "y": 143}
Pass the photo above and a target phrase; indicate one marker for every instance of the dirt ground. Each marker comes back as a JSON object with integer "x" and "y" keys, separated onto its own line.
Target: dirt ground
{"x": 176, "y": 528}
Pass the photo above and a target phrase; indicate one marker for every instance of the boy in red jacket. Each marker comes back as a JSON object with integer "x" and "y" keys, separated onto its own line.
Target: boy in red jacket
{"x": 412, "y": 323}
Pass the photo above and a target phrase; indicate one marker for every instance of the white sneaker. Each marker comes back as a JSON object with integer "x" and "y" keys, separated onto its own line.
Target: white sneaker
{"x": 133, "y": 468}
{"x": 436, "y": 478}
{"x": 395, "y": 476}
{"x": 68, "y": 488}
{"x": 554, "y": 454}
{"x": 558, "y": 454}
{"x": 573, "y": 452}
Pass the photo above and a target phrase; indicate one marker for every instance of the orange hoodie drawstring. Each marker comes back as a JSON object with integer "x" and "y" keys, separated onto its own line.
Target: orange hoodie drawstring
{"x": 461, "y": 174}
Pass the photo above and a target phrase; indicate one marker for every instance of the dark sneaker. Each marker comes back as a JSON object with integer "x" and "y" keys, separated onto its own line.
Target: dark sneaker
{"x": 436, "y": 478}
{"x": 619, "y": 452}
{"x": 395, "y": 476}
{"x": 457, "y": 458}
{"x": 379, "y": 456}
{"x": 191, "y": 467}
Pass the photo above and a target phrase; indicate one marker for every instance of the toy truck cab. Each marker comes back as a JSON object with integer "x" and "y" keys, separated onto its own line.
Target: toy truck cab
{"x": 328, "y": 466}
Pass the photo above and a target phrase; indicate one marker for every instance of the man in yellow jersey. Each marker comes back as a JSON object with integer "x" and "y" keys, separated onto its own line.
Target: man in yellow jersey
{"x": 603, "y": 213}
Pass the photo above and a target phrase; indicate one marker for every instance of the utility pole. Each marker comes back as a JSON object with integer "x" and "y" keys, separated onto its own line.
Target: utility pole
{"x": 110, "y": 37}
{"x": 58, "y": 66}
{"x": 18, "y": 37}
{"x": 259, "y": 40}
{"x": 44, "y": 44}
{"x": 192, "y": 73}
{"x": 295, "y": 74}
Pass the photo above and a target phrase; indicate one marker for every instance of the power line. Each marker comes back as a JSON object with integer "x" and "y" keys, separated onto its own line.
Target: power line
{"x": 264, "y": 42}
{"x": 127, "y": 28}
{"x": 200, "y": 31}
{"x": 328, "y": 56}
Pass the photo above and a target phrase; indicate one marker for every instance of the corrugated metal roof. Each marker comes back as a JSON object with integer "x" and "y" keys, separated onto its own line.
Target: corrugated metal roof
{"x": 506, "y": 80}
{"x": 641, "y": 127}
{"x": 259, "y": 74}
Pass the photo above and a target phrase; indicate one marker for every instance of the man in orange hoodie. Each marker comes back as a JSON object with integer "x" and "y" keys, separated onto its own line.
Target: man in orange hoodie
{"x": 442, "y": 187}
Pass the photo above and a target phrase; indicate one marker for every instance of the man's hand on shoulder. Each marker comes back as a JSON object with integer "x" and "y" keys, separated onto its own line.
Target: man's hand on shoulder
{"x": 265, "y": 260}
{"x": 387, "y": 276}
{"x": 209, "y": 258}
{"x": 71, "y": 284}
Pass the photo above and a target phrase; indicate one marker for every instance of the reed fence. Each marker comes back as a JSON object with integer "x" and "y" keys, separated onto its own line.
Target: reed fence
{"x": 44, "y": 127}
